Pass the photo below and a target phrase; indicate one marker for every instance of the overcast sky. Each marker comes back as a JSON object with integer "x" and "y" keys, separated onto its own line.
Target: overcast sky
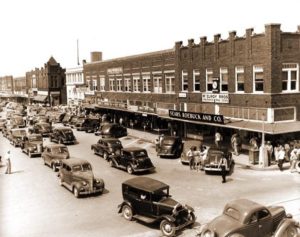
{"x": 34, "y": 30}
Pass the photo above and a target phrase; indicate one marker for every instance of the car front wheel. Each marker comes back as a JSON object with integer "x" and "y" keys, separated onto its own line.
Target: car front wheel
{"x": 127, "y": 212}
{"x": 167, "y": 228}
{"x": 76, "y": 192}
{"x": 129, "y": 169}
{"x": 105, "y": 155}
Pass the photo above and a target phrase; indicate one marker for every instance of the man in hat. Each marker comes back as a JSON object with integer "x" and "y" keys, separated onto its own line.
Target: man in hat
{"x": 8, "y": 163}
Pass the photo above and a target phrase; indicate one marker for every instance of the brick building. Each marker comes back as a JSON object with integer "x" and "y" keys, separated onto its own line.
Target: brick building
{"x": 47, "y": 84}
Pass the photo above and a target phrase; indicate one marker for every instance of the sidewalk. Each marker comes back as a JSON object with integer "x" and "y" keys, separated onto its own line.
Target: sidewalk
{"x": 242, "y": 159}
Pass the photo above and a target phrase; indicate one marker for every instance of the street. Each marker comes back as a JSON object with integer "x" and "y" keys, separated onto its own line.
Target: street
{"x": 32, "y": 203}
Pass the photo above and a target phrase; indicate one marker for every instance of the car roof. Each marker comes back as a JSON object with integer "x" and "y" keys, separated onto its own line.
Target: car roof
{"x": 133, "y": 149}
{"x": 145, "y": 183}
{"x": 55, "y": 145}
{"x": 244, "y": 206}
{"x": 75, "y": 161}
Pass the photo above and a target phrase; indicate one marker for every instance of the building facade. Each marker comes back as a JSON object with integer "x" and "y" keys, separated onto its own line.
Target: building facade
{"x": 76, "y": 86}
{"x": 47, "y": 84}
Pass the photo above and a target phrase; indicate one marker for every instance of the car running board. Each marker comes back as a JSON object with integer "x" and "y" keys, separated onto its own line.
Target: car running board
{"x": 145, "y": 219}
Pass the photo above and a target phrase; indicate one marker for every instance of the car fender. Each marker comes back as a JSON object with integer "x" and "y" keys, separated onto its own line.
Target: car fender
{"x": 120, "y": 206}
{"x": 284, "y": 224}
{"x": 77, "y": 185}
{"x": 168, "y": 218}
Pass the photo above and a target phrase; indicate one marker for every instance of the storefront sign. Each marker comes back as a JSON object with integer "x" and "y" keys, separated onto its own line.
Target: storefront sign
{"x": 208, "y": 118}
{"x": 215, "y": 98}
{"x": 115, "y": 70}
{"x": 182, "y": 95}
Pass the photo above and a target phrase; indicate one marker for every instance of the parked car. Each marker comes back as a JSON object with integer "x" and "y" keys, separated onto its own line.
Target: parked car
{"x": 76, "y": 119}
{"x": 245, "y": 218}
{"x": 2, "y": 123}
{"x": 132, "y": 159}
{"x": 16, "y": 136}
{"x": 214, "y": 156}
{"x": 32, "y": 144}
{"x": 148, "y": 200}
{"x": 53, "y": 154}
{"x": 62, "y": 135}
{"x": 170, "y": 147}
{"x": 89, "y": 125}
{"x": 107, "y": 146}
{"x": 43, "y": 128}
{"x": 77, "y": 176}
{"x": 17, "y": 121}
{"x": 67, "y": 118}
{"x": 112, "y": 130}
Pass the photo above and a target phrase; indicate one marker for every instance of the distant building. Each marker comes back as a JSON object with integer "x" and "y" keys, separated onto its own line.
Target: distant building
{"x": 76, "y": 86}
{"x": 47, "y": 84}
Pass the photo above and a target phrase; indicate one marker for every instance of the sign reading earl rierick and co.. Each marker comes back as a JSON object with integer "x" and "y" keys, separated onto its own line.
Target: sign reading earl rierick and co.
{"x": 209, "y": 118}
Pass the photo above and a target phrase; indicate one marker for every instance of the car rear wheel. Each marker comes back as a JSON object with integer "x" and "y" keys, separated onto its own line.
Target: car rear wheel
{"x": 127, "y": 212}
{"x": 76, "y": 192}
{"x": 167, "y": 228}
{"x": 105, "y": 155}
{"x": 129, "y": 169}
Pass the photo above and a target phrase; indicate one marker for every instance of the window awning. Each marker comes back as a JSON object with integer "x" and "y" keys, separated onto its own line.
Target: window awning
{"x": 40, "y": 98}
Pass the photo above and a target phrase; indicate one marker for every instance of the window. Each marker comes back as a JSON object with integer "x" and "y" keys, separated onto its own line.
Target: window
{"x": 111, "y": 83}
{"x": 102, "y": 83}
{"x": 157, "y": 81}
{"x": 239, "y": 78}
{"x": 127, "y": 84}
{"x": 119, "y": 84}
{"x": 290, "y": 77}
{"x": 88, "y": 83}
{"x": 185, "y": 81}
{"x": 209, "y": 79}
{"x": 258, "y": 78}
{"x": 170, "y": 82}
{"x": 223, "y": 79}
{"x": 146, "y": 82}
{"x": 136, "y": 83}
{"x": 196, "y": 79}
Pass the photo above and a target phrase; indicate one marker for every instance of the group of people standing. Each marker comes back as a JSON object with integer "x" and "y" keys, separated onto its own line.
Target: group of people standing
{"x": 197, "y": 157}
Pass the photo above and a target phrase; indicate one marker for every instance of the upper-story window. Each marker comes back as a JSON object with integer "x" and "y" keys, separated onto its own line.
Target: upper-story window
{"x": 209, "y": 79}
{"x": 185, "y": 81}
{"x": 119, "y": 83}
{"x": 239, "y": 78}
{"x": 111, "y": 83}
{"x": 170, "y": 82}
{"x": 127, "y": 83}
{"x": 102, "y": 83}
{"x": 224, "y": 79}
{"x": 196, "y": 80}
{"x": 136, "y": 83}
{"x": 146, "y": 82}
{"x": 290, "y": 77}
{"x": 94, "y": 86}
{"x": 157, "y": 83}
{"x": 258, "y": 78}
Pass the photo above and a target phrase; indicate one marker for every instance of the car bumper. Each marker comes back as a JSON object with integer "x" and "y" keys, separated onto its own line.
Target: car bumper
{"x": 143, "y": 169}
{"x": 95, "y": 190}
{"x": 179, "y": 227}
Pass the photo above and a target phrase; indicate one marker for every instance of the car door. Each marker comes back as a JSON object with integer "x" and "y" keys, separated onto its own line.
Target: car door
{"x": 144, "y": 204}
{"x": 68, "y": 174}
{"x": 251, "y": 227}
{"x": 264, "y": 223}
{"x": 126, "y": 159}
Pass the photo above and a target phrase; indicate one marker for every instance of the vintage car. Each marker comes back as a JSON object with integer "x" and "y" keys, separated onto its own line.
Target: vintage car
{"x": 77, "y": 176}
{"x": 214, "y": 156}
{"x": 170, "y": 147}
{"x": 17, "y": 121}
{"x": 288, "y": 227}
{"x": 148, "y": 200}
{"x": 16, "y": 136}
{"x": 2, "y": 123}
{"x": 43, "y": 128}
{"x": 53, "y": 154}
{"x": 107, "y": 146}
{"x": 67, "y": 118}
{"x": 112, "y": 130}
{"x": 62, "y": 135}
{"x": 132, "y": 159}
{"x": 245, "y": 218}
{"x": 76, "y": 119}
{"x": 88, "y": 125}
{"x": 32, "y": 144}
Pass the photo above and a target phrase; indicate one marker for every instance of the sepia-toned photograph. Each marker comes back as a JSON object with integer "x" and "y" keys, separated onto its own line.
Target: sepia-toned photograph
{"x": 141, "y": 118}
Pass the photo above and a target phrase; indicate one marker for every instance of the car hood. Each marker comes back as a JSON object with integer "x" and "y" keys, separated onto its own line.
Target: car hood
{"x": 86, "y": 175}
{"x": 222, "y": 225}
{"x": 169, "y": 202}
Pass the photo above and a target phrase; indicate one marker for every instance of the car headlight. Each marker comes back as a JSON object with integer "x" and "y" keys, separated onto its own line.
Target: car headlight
{"x": 97, "y": 181}
{"x": 84, "y": 183}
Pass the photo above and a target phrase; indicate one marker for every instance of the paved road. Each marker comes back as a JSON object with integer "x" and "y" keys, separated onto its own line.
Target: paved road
{"x": 32, "y": 203}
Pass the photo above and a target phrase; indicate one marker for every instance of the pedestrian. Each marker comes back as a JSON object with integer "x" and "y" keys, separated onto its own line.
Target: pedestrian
{"x": 157, "y": 144}
{"x": 281, "y": 157}
{"x": 197, "y": 158}
{"x": 8, "y": 163}
{"x": 121, "y": 121}
{"x": 293, "y": 159}
{"x": 253, "y": 142}
{"x": 190, "y": 155}
{"x": 269, "y": 148}
{"x": 223, "y": 165}
{"x": 235, "y": 143}
{"x": 218, "y": 139}
{"x": 203, "y": 155}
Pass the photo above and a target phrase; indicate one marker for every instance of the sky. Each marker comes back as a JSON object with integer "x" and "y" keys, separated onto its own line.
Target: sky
{"x": 34, "y": 30}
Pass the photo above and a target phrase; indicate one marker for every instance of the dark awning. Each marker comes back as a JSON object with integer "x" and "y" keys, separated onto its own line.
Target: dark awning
{"x": 40, "y": 98}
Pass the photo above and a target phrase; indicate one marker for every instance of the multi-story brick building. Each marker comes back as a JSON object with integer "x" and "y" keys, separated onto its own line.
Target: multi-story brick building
{"x": 248, "y": 83}
{"x": 47, "y": 84}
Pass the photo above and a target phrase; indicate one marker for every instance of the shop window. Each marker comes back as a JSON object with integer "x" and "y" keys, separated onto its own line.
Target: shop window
{"x": 290, "y": 77}
{"x": 196, "y": 80}
{"x": 240, "y": 79}
{"x": 224, "y": 79}
{"x": 209, "y": 79}
{"x": 185, "y": 81}
{"x": 258, "y": 78}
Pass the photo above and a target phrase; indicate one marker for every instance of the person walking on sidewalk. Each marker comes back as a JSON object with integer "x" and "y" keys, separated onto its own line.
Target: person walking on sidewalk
{"x": 223, "y": 165}
{"x": 190, "y": 155}
{"x": 8, "y": 163}
{"x": 281, "y": 156}
{"x": 218, "y": 139}
{"x": 293, "y": 159}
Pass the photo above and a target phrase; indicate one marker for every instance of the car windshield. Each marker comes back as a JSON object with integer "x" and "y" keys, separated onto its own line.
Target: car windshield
{"x": 35, "y": 138}
{"x": 83, "y": 167}
{"x": 233, "y": 213}
{"x": 59, "y": 150}
{"x": 68, "y": 131}
{"x": 168, "y": 142}
{"x": 141, "y": 153}
{"x": 160, "y": 194}
{"x": 114, "y": 143}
